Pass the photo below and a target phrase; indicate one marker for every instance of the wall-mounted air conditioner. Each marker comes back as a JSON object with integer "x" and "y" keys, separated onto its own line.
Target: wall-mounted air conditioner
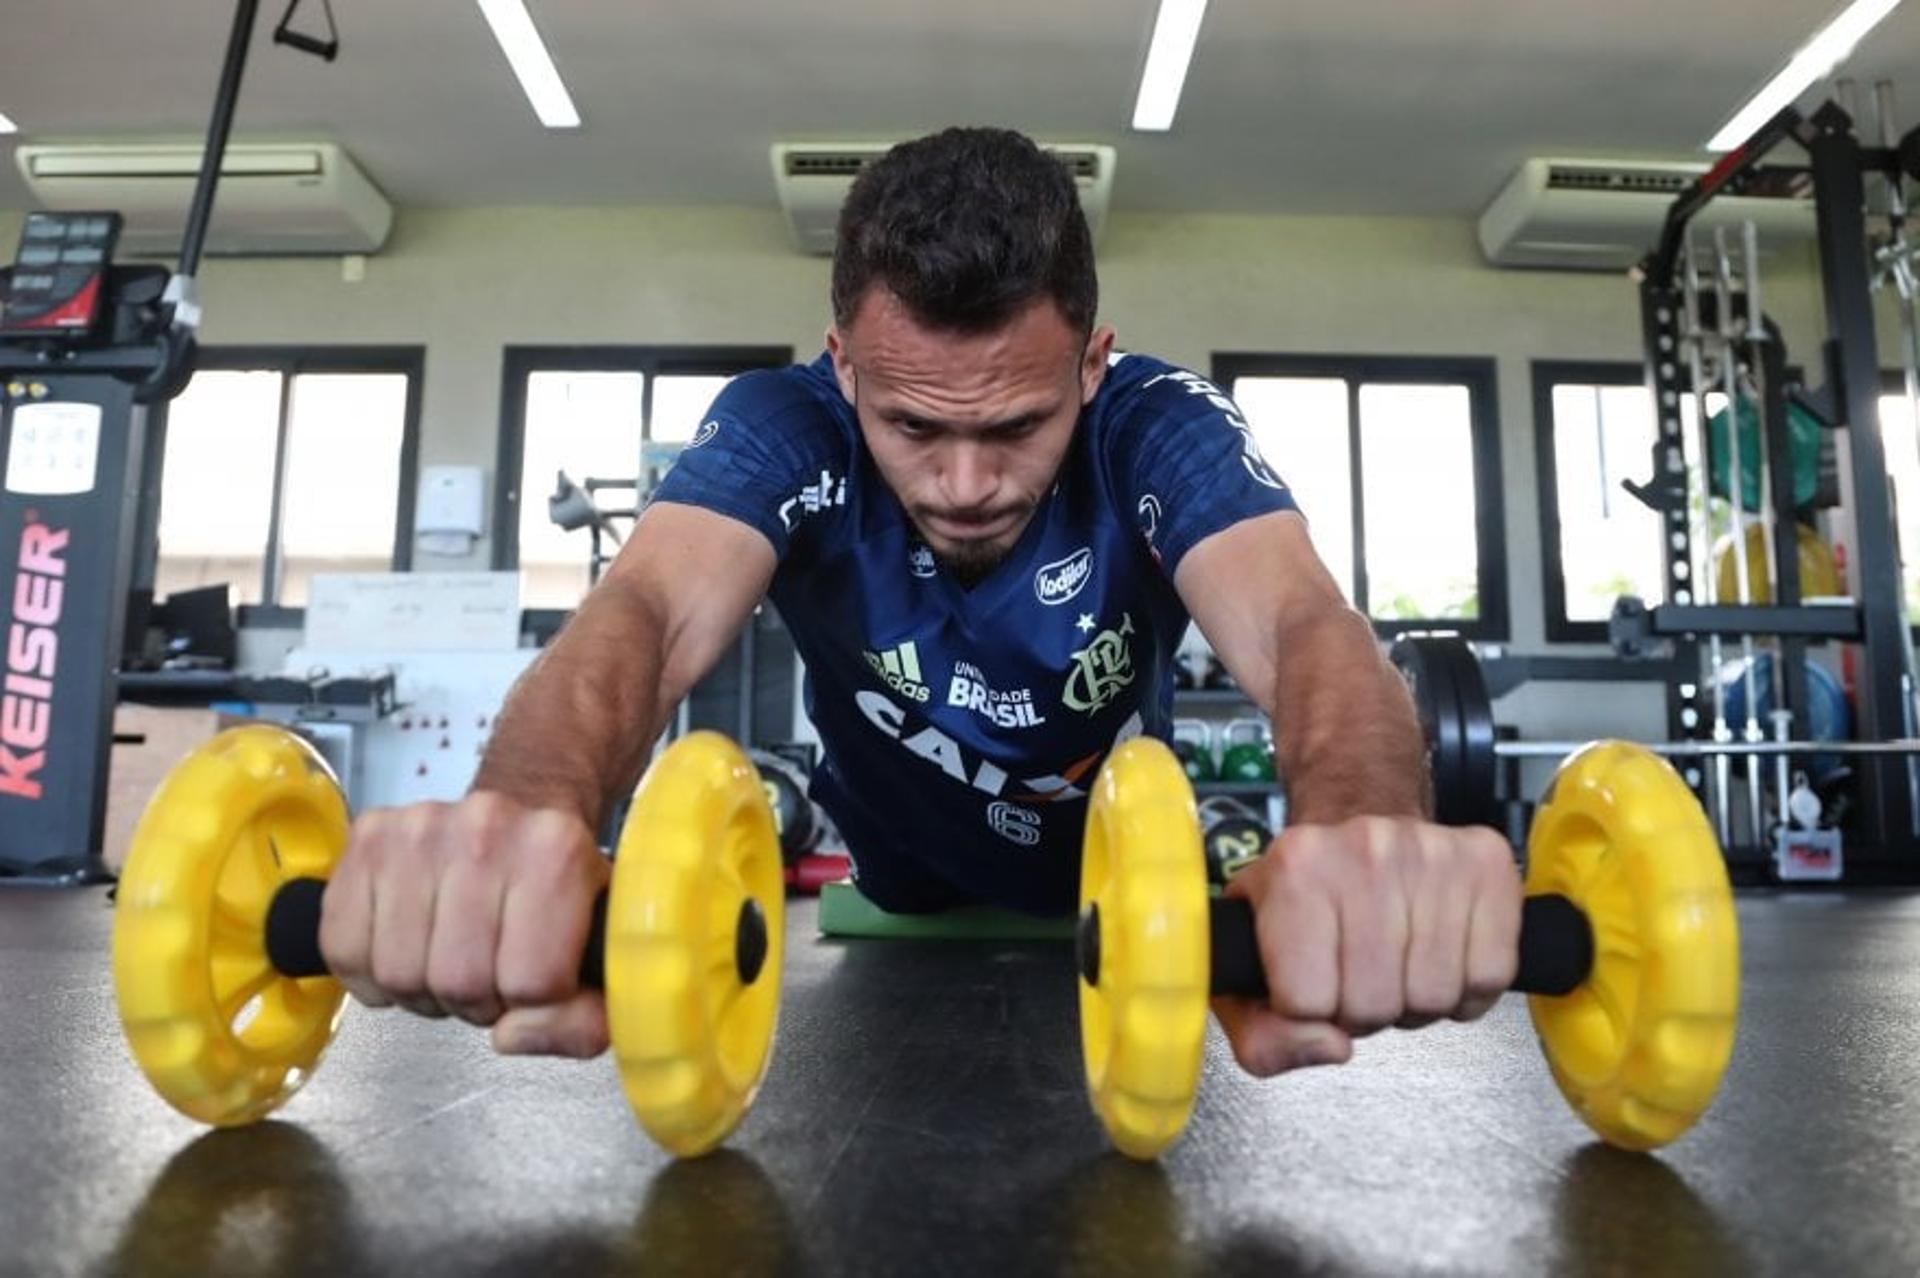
{"x": 273, "y": 198}
{"x": 1607, "y": 215}
{"x": 812, "y": 179}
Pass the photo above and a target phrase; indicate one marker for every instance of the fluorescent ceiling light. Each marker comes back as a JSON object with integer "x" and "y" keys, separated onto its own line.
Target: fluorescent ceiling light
{"x": 7, "y": 126}
{"x": 531, "y": 62}
{"x": 1818, "y": 56}
{"x": 1174, "y": 33}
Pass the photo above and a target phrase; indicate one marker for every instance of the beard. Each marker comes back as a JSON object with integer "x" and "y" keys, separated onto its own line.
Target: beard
{"x": 969, "y": 561}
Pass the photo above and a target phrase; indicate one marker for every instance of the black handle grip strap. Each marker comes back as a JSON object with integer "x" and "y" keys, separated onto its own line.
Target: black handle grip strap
{"x": 293, "y": 934}
{"x": 327, "y": 49}
{"x": 1556, "y": 948}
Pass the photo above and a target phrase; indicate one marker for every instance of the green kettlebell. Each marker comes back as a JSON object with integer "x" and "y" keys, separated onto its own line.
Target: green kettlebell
{"x": 1193, "y": 746}
{"x": 1246, "y": 752}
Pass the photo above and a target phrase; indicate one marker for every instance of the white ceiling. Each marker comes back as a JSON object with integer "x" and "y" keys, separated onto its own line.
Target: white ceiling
{"x": 1302, "y": 106}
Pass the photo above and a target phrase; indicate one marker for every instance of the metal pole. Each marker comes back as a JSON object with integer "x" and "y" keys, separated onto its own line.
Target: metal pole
{"x": 1782, "y": 779}
{"x": 1736, "y": 492}
{"x": 1600, "y": 451}
{"x": 1756, "y": 368}
{"x": 1782, "y": 534}
{"x": 1882, "y": 813}
{"x": 1706, "y": 584}
{"x": 1900, "y": 269}
{"x": 1844, "y": 93}
{"x": 749, "y": 677}
{"x": 1889, "y": 131}
{"x": 218, "y": 128}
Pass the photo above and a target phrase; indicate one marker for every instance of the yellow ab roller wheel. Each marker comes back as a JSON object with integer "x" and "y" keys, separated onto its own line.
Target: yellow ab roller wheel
{"x": 1628, "y": 947}
{"x": 222, "y": 1034}
{"x": 1143, "y": 947}
{"x": 694, "y": 942}
{"x": 1639, "y": 1048}
{"x": 226, "y": 1000}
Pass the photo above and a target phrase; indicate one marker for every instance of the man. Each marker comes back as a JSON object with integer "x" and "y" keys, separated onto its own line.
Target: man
{"x": 986, "y": 533}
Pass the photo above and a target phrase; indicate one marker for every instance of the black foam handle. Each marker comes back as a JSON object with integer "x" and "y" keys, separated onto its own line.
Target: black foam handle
{"x": 325, "y": 49}
{"x": 293, "y": 934}
{"x": 293, "y": 928}
{"x": 1556, "y": 948}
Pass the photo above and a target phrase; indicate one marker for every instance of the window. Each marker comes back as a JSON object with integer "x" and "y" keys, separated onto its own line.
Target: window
{"x": 593, "y": 413}
{"x": 1593, "y": 429}
{"x": 1395, "y": 462}
{"x": 276, "y": 465}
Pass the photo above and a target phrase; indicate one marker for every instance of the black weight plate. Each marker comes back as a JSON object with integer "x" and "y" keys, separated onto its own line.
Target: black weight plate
{"x": 1422, "y": 660}
{"x": 1474, "y": 802}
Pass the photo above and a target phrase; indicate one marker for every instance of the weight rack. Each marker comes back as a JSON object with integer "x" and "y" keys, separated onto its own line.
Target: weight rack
{"x": 1886, "y": 836}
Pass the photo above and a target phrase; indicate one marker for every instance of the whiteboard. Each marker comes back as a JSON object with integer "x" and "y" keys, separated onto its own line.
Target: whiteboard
{"x": 415, "y": 611}
{"x": 431, "y": 746}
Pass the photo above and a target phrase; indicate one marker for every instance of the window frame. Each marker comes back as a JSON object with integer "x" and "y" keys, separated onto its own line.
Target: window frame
{"x": 1547, "y": 374}
{"x": 518, "y": 362}
{"x": 291, "y": 362}
{"x": 1480, "y": 375}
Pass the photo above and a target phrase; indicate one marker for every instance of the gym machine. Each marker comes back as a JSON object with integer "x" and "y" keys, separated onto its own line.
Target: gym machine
{"x": 88, "y": 347}
{"x": 574, "y": 506}
{"x": 1704, "y": 329}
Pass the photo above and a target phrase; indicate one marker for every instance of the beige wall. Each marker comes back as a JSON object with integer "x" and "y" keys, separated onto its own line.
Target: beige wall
{"x": 1392, "y": 286}
{"x": 464, "y": 283}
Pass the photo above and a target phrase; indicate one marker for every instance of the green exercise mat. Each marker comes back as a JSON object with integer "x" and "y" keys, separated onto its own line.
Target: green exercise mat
{"x": 844, "y": 912}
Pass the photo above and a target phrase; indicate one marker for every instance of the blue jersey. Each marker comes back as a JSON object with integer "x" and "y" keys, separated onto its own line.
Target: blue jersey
{"x": 961, "y": 728}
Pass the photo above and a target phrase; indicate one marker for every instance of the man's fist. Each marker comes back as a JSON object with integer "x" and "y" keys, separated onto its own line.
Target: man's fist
{"x": 477, "y": 909}
{"x": 1375, "y": 922}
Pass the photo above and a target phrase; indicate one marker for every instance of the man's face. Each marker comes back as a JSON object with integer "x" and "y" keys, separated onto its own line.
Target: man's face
{"x": 967, "y": 429}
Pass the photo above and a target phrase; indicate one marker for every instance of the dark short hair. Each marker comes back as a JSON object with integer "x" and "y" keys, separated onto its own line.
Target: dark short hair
{"x": 966, "y": 227}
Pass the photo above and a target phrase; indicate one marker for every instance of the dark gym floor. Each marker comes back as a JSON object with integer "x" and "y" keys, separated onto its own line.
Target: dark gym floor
{"x": 924, "y": 1115}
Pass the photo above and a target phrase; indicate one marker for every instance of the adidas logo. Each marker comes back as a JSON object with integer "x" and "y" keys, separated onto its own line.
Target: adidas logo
{"x": 899, "y": 668}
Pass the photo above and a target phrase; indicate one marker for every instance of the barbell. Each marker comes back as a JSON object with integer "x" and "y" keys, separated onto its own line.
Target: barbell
{"x": 1456, "y": 717}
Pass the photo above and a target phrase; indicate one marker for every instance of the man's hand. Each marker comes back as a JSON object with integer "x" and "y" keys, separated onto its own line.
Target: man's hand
{"x": 477, "y": 909}
{"x": 1375, "y": 922}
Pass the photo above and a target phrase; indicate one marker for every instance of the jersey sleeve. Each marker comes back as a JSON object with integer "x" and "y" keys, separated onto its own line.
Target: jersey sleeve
{"x": 766, "y": 453}
{"x": 1182, "y": 458}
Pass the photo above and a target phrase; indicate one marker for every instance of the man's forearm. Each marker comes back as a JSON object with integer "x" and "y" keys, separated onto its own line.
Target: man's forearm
{"x": 1347, "y": 738}
{"x": 577, "y": 726}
